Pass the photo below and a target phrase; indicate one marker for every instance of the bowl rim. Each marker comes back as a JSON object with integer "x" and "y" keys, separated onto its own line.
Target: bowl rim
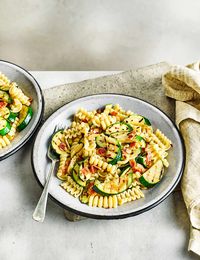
{"x": 125, "y": 215}
{"x": 18, "y": 147}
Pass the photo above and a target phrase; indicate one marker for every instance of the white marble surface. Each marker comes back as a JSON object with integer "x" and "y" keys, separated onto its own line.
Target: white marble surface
{"x": 161, "y": 233}
{"x": 98, "y": 34}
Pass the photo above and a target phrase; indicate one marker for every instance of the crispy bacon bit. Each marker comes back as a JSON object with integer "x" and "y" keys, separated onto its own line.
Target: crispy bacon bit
{"x": 131, "y": 135}
{"x": 62, "y": 146}
{"x": 132, "y": 144}
{"x": 84, "y": 120}
{"x": 132, "y": 163}
{"x": 139, "y": 168}
{"x": 2, "y": 104}
{"x": 90, "y": 189}
{"x": 136, "y": 167}
{"x": 66, "y": 166}
{"x": 113, "y": 113}
{"x": 84, "y": 170}
{"x": 101, "y": 151}
{"x": 143, "y": 150}
{"x": 92, "y": 169}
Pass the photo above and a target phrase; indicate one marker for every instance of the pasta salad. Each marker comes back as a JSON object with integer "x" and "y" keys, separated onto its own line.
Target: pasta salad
{"x": 109, "y": 156}
{"x": 15, "y": 110}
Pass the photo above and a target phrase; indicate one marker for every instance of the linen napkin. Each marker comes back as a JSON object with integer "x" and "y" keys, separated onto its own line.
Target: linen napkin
{"x": 183, "y": 85}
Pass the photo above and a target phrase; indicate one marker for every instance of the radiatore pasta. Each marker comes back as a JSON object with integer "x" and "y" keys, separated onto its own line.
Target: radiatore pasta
{"x": 109, "y": 156}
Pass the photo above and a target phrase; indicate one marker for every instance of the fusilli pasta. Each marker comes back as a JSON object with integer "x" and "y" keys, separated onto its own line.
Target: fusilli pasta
{"x": 15, "y": 110}
{"x": 108, "y": 156}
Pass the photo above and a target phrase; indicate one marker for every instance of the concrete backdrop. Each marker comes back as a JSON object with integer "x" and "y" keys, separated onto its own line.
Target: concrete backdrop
{"x": 98, "y": 34}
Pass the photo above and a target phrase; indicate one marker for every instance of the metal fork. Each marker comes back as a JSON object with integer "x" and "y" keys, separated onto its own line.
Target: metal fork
{"x": 40, "y": 210}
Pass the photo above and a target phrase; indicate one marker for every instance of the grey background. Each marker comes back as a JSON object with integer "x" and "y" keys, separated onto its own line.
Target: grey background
{"x": 98, "y": 35}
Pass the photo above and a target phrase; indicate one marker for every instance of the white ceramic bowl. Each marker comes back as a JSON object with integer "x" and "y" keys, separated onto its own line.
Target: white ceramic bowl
{"x": 153, "y": 196}
{"x": 30, "y": 86}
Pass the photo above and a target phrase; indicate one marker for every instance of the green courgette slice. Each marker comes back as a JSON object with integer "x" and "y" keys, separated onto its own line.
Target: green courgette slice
{"x": 75, "y": 176}
{"x": 119, "y": 127}
{"x": 141, "y": 160}
{"x": 111, "y": 188}
{"x": 58, "y": 143}
{"x": 12, "y": 116}
{"x": 101, "y": 141}
{"x": 141, "y": 140}
{"x": 146, "y": 121}
{"x": 153, "y": 175}
{"x": 4, "y": 126}
{"x": 5, "y": 96}
{"x": 125, "y": 170}
{"x": 25, "y": 116}
{"x": 116, "y": 156}
{"x": 137, "y": 119}
{"x": 121, "y": 136}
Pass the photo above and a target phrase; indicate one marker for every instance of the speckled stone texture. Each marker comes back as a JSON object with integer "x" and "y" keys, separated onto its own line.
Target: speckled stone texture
{"x": 144, "y": 83}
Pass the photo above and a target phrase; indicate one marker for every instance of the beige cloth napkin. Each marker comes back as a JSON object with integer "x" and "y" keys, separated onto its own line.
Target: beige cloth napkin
{"x": 183, "y": 84}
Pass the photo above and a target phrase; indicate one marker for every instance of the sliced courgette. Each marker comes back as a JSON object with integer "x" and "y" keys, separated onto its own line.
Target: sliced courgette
{"x": 101, "y": 141}
{"x": 124, "y": 167}
{"x": 12, "y": 116}
{"x": 146, "y": 121}
{"x": 141, "y": 160}
{"x": 114, "y": 188}
{"x": 58, "y": 142}
{"x": 122, "y": 137}
{"x": 4, "y": 126}
{"x": 25, "y": 116}
{"x": 133, "y": 119}
{"x": 5, "y": 96}
{"x": 75, "y": 175}
{"x": 125, "y": 170}
{"x": 137, "y": 119}
{"x": 119, "y": 127}
{"x": 141, "y": 140}
{"x": 116, "y": 156}
{"x": 153, "y": 175}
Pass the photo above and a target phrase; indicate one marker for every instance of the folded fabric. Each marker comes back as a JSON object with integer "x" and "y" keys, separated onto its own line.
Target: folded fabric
{"x": 183, "y": 85}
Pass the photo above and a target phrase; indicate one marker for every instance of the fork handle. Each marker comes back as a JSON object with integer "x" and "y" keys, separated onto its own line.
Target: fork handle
{"x": 40, "y": 210}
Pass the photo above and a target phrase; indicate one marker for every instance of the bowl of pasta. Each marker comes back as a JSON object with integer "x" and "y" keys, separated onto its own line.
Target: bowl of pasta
{"x": 118, "y": 156}
{"x": 21, "y": 107}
